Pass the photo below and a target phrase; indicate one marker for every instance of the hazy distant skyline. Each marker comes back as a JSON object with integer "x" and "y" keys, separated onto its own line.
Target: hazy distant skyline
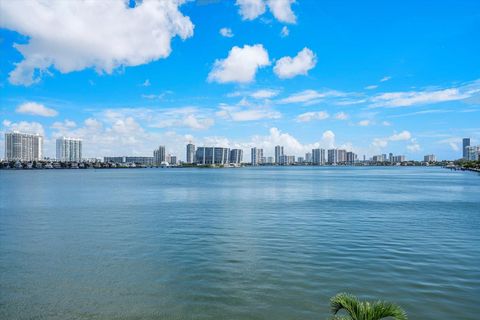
{"x": 373, "y": 77}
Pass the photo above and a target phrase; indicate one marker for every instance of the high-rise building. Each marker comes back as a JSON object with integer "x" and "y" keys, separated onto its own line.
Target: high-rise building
{"x": 351, "y": 158}
{"x": 342, "y": 156}
{"x": 308, "y": 157}
{"x": 286, "y": 160}
{"x": 332, "y": 156}
{"x": 212, "y": 155}
{"x": 398, "y": 159}
{"x": 159, "y": 155}
{"x": 256, "y": 156}
{"x": 172, "y": 160}
{"x": 430, "y": 158}
{"x": 301, "y": 160}
{"x": 23, "y": 146}
{"x": 390, "y": 157}
{"x": 466, "y": 143}
{"x": 473, "y": 153}
{"x": 236, "y": 156}
{"x": 69, "y": 149}
{"x": 278, "y": 153}
{"x": 318, "y": 156}
{"x": 190, "y": 153}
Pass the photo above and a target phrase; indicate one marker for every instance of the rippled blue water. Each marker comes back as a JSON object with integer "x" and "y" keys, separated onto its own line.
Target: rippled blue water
{"x": 250, "y": 243}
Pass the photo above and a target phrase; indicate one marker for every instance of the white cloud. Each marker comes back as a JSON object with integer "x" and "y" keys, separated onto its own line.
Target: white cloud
{"x": 146, "y": 83}
{"x": 281, "y": 9}
{"x": 36, "y": 109}
{"x": 241, "y": 64}
{"x": 226, "y": 32}
{"x": 251, "y": 9}
{"x": 341, "y": 116}
{"x": 24, "y": 127}
{"x": 380, "y": 143}
{"x": 365, "y": 123}
{"x": 314, "y": 115}
{"x": 239, "y": 114}
{"x": 402, "y": 136}
{"x": 104, "y": 35}
{"x": 405, "y": 99}
{"x": 284, "y": 32}
{"x": 308, "y": 96}
{"x": 288, "y": 67}
{"x": 386, "y": 78}
{"x": 264, "y": 94}
{"x": 372, "y": 87}
{"x": 386, "y": 123}
{"x": 414, "y": 146}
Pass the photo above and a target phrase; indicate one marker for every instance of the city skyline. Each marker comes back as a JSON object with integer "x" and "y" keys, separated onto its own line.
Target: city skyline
{"x": 405, "y": 82}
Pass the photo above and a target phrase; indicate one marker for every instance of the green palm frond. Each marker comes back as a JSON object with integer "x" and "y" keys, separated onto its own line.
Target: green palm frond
{"x": 364, "y": 310}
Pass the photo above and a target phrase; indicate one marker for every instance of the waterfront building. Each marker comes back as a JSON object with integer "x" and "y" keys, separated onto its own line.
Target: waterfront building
{"x": 148, "y": 161}
{"x": 212, "y": 155}
{"x": 256, "y": 156}
{"x": 301, "y": 160}
{"x": 308, "y": 157}
{"x": 390, "y": 157}
{"x": 286, "y": 160}
{"x": 430, "y": 158}
{"x": 159, "y": 155}
{"x": 268, "y": 160}
{"x": 332, "y": 156}
{"x": 465, "y": 143}
{"x": 236, "y": 156}
{"x": 383, "y": 158}
{"x": 472, "y": 153}
{"x": 278, "y": 153}
{"x": 318, "y": 156}
{"x": 398, "y": 159}
{"x": 342, "y": 156}
{"x": 190, "y": 153}
{"x": 23, "y": 146}
{"x": 69, "y": 149}
{"x": 171, "y": 159}
{"x": 351, "y": 158}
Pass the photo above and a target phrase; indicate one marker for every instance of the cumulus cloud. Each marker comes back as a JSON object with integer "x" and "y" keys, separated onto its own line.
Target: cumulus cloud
{"x": 414, "y": 146}
{"x": 226, "y": 32}
{"x": 288, "y": 67}
{"x": 405, "y": 135}
{"x": 284, "y": 32}
{"x": 36, "y": 109}
{"x": 281, "y": 9}
{"x": 104, "y": 35}
{"x": 24, "y": 127}
{"x": 251, "y": 9}
{"x": 313, "y": 115}
{"x": 241, "y": 64}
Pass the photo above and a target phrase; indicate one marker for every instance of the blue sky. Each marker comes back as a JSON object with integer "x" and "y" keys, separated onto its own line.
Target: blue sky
{"x": 370, "y": 76}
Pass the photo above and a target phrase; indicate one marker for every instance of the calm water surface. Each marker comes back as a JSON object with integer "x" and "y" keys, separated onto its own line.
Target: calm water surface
{"x": 250, "y": 243}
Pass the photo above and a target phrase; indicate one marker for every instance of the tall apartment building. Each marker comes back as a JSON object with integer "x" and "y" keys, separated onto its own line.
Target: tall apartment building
{"x": 190, "y": 158}
{"x": 318, "y": 156}
{"x": 308, "y": 157}
{"x": 332, "y": 156}
{"x": 351, "y": 158}
{"x": 397, "y": 159}
{"x": 472, "y": 153}
{"x": 212, "y": 155}
{"x": 23, "y": 146}
{"x": 236, "y": 156}
{"x": 278, "y": 153}
{"x": 465, "y": 143}
{"x": 69, "y": 149}
{"x": 159, "y": 155}
{"x": 286, "y": 160}
{"x": 430, "y": 158}
{"x": 256, "y": 156}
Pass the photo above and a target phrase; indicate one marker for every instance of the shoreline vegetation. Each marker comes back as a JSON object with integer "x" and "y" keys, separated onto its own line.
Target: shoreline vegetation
{"x": 461, "y": 165}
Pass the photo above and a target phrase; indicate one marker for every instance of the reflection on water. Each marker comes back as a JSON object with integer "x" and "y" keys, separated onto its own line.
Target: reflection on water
{"x": 250, "y": 243}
